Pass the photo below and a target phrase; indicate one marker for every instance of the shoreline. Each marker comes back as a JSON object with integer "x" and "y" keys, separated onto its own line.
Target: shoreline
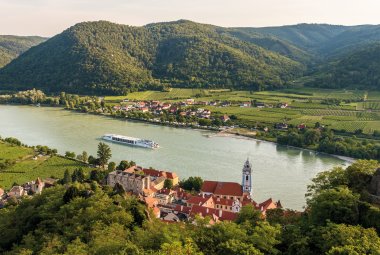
{"x": 217, "y": 132}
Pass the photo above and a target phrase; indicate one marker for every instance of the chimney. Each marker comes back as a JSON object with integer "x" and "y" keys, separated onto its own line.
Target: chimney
{"x": 220, "y": 213}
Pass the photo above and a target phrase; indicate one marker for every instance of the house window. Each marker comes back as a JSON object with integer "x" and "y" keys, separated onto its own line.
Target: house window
{"x": 246, "y": 178}
{"x": 231, "y": 208}
{"x": 231, "y": 197}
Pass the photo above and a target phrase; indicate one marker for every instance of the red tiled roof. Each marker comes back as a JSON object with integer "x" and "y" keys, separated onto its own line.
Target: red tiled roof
{"x": 223, "y": 201}
{"x": 267, "y": 203}
{"x": 209, "y": 186}
{"x": 213, "y": 213}
{"x": 196, "y": 200}
{"x": 182, "y": 209}
{"x": 158, "y": 173}
{"x": 222, "y": 188}
{"x": 171, "y": 175}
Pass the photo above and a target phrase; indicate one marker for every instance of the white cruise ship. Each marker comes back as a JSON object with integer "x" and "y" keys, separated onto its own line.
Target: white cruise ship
{"x": 130, "y": 141}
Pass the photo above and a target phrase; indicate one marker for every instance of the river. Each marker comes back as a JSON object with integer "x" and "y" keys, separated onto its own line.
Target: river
{"x": 278, "y": 172}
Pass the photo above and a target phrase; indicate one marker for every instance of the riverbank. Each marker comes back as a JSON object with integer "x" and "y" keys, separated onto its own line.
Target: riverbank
{"x": 225, "y": 131}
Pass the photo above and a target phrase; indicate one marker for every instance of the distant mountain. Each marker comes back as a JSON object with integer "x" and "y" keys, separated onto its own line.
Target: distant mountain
{"x": 358, "y": 69}
{"x": 102, "y": 57}
{"x": 305, "y": 36}
{"x": 12, "y": 46}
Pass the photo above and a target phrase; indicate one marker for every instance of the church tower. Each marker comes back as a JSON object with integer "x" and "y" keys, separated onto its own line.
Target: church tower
{"x": 247, "y": 178}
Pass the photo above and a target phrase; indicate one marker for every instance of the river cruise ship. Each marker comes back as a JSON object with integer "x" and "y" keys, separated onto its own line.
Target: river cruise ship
{"x": 130, "y": 141}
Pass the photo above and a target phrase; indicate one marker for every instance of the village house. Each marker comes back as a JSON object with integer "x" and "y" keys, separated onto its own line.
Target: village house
{"x": 281, "y": 126}
{"x": 140, "y": 104}
{"x": 225, "y": 118}
{"x": 205, "y": 201}
{"x": 144, "y": 109}
{"x": 131, "y": 182}
{"x": 245, "y": 104}
{"x": 17, "y": 192}
{"x": 215, "y": 214}
{"x": 260, "y": 105}
{"x": 166, "y": 106}
{"x": 225, "y": 104}
{"x": 301, "y": 126}
{"x": 282, "y": 105}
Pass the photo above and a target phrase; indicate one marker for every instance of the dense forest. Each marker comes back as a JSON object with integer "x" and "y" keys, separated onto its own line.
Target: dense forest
{"x": 359, "y": 69}
{"x": 103, "y": 57}
{"x": 83, "y": 217}
{"x": 107, "y": 58}
{"x": 12, "y": 46}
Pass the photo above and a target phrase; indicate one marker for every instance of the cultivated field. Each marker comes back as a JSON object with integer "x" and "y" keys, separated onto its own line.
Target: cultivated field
{"x": 354, "y": 109}
{"x": 26, "y": 169}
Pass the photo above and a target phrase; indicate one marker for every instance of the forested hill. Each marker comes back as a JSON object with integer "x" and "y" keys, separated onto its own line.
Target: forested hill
{"x": 102, "y": 57}
{"x": 12, "y": 46}
{"x": 107, "y": 58}
{"x": 359, "y": 69}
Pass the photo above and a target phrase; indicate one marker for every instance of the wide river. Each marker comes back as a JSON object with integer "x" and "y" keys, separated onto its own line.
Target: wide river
{"x": 278, "y": 172}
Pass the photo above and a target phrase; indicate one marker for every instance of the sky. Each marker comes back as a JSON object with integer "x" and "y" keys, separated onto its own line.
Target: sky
{"x": 50, "y": 17}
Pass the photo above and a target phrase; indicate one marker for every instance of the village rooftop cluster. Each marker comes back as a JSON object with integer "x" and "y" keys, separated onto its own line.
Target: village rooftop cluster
{"x": 220, "y": 201}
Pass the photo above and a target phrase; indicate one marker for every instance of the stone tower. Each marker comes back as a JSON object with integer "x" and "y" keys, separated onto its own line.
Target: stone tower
{"x": 247, "y": 177}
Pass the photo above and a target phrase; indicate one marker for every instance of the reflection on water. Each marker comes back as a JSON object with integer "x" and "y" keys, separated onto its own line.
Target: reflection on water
{"x": 278, "y": 172}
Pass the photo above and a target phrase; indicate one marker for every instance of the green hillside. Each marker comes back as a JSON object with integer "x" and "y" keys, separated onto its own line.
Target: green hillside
{"x": 359, "y": 69}
{"x": 12, "y": 46}
{"x": 102, "y": 57}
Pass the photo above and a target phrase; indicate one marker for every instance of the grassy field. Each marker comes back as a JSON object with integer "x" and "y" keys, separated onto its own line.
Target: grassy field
{"x": 26, "y": 169}
{"x": 357, "y": 109}
{"x": 13, "y": 152}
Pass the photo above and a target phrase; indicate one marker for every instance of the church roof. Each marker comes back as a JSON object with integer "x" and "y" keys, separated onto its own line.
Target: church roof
{"x": 222, "y": 188}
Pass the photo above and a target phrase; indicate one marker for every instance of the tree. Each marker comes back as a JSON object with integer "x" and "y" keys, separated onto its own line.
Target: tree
{"x": 78, "y": 175}
{"x": 249, "y": 214}
{"x": 312, "y": 137}
{"x": 69, "y": 154}
{"x": 104, "y": 153}
{"x": 338, "y": 205}
{"x": 168, "y": 184}
{"x": 192, "y": 183}
{"x": 111, "y": 166}
{"x": 66, "y": 177}
{"x": 71, "y": 193}
{"x": 84, "y": 156}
